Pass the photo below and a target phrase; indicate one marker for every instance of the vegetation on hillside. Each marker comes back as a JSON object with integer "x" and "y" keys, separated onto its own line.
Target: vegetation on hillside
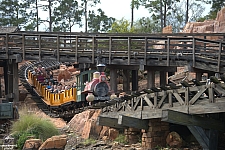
{"x": 30, "y": 125}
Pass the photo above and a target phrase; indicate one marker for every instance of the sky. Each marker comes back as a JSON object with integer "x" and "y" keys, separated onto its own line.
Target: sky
{"x": 115, "y": 8}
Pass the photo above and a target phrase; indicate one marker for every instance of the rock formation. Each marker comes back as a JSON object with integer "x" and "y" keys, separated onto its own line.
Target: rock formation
{"x": 208, "y": 26}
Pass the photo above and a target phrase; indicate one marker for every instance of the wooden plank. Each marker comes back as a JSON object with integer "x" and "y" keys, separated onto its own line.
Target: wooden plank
{"x": 162, "y": 99}
{"x": 204, "y": 107}
{"x": 93, "y": 50}
{"x": 132, "y": 122}
{"x": 195, "y": 98}
{"x": 39, "y": 45}
{"x": 178, "y": 98}
{"x": 148, "y": 102}
{"x": 110, "y": 49}
{"x": 219, "y": 57}
{"x": 191, "y": 120}
{"x": 129, "y": 50}
{"x": 23, "y": 45}
{"x": 58, "y": 54}
{"x": 168, "y": 52}
{"x": 109, "y": 122}
{"x": 193, "y": 52}
{"x": 207, "y": 139}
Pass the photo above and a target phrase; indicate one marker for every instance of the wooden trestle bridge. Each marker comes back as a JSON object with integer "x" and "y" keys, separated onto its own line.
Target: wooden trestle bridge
{"x": 187, "y": 104}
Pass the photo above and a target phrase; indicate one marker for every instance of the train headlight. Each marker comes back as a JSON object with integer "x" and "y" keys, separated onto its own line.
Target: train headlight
{"x": 90, "y": 97}
{"x": 103, "y": 79}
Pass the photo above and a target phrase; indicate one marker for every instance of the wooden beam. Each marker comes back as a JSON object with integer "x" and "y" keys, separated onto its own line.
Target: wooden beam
{"x": 109, "y": 122}
{"x": 207, "y": 139}
{"x": 191, "y": 120}
{"x": 132, "y": 122}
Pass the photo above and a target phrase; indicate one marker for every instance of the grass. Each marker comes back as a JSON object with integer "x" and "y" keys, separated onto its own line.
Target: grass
{"x": 89, "y": 141}
{"x": 121, "y": 139}
{"x": 32, "y": 125}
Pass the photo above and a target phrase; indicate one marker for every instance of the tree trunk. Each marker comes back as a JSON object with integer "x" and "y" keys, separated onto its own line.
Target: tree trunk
{"x": 187, "y": 12}
{"x": 85, "y": 11}
{"x": 132, "y": 13}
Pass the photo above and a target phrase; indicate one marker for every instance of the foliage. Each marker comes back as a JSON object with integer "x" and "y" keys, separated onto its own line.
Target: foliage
{"x": 89, "y": 141}
{"x": 67, "y": 14}
{"x": 146, "y": 25}
{"x": 99, "y": 22}
{"x": 216, "y": 6}
{"x": 178, "y": 19}
{"x": 13, "y": 13}
{"x": 22, "y": 139}
{"x": 32, "y": 125}
{"x": 121, "y": 139}
{"x": 121, "y": 26}
{"x": 160, "y": 9}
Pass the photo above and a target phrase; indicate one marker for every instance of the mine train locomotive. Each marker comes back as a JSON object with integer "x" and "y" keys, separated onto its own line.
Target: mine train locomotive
{"x": 98, "y": 89}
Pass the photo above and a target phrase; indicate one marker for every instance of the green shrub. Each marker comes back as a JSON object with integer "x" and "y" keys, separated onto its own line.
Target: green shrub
{"x": 89, "y": 141}
{"x": 121, "y": 139}
{"x": 32, "y": 125}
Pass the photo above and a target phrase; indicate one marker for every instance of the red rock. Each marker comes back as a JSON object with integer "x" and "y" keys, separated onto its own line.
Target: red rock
{"x": 55, "y": 142}
{"x": 33, "y": 144}
{"x": 113, "y": 134}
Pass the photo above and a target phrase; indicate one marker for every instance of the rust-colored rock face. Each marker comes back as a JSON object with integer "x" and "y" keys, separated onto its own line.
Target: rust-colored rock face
{"x": 208, "y": 26}
{"x": 55, "y": 142}
{"x": 32, "y": 144}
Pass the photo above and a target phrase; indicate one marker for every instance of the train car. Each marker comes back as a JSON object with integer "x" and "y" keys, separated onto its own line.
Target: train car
{"x": 91, "y": 87}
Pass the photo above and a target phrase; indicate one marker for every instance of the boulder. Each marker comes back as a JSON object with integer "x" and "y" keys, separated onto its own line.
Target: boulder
{"x": 113, "y": 134}
{"x": 174, "y": 140}
{"x": 33, "y": 144}
{"x": 55, "y": 142}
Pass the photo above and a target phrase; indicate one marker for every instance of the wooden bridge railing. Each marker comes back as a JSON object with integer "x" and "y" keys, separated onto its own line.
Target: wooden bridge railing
{"x": 204, "y": 99}
{"x": 129, "y": 49}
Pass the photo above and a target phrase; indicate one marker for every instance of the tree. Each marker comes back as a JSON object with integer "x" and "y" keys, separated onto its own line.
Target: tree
{"x": 67, "y": 14}
{"x": 178, "y": 18}
{"x": 216, "y": 6}
{"x": 134, "y": 4}
{"x": 49, "y": 7}
{"x": 99, "y": 22}
{"x": 160, "y": 9}
{"x": 146, "y": 25}
{"x": 121, "y": 26}
{"x": 13, "y": 13}
{"x": 84, "y": 4}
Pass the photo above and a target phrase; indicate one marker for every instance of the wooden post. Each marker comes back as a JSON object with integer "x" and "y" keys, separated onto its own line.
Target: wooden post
{"x": 93, "y": 50}
{"x": 110, "y": 49}
{"x": 219, "y": 56}
{"x": 193, "y": 52}
{"x": 146, "y": 49}
{"x": 58, "y": 43}
{"x": 129, "y": 49}
{"x": 39, "y": 38}
{"x": 7, "y": 45}
{"x": 199, "y": 75}
{"x": 150, "y": 78}
{"x": 23, "y": 46}
{"x": 207, "y": 139}
{"x": 162, "y": 78}
{"x": 113, "y": 79}
{"x": 15, "y": 81}
{"x": 168, "y": 52}
{"x": 76, "y": 50}
{"x": 126, "y": 80}
{"x": 134, "y": 80}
